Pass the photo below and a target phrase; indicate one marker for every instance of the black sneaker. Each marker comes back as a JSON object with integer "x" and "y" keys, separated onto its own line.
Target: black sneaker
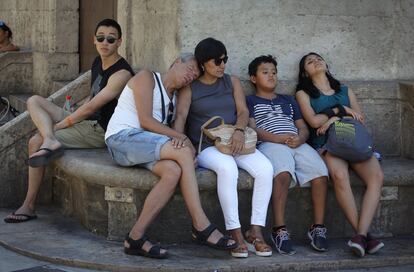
{"x": 282, "y": 242}
{"x": 317, "y": 235}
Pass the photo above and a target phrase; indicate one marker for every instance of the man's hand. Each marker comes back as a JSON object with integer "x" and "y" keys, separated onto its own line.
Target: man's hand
{"x": 179, "y": 142}
{"x": 294, "y": 141}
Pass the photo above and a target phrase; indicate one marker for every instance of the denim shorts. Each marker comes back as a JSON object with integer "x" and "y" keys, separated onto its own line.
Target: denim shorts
{"x": 136, "y": 147}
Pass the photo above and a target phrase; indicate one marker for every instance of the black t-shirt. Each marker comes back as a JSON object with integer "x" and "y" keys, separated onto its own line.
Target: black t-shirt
{"x": 98, "y": 82}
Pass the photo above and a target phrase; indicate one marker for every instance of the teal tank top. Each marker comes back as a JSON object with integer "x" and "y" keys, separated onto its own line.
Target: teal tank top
{"x": 323, "y": 102}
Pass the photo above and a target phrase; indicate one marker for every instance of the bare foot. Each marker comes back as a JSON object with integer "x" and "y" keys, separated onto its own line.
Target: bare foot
{"x": 21, "y": 210}
{"x": 50, "y": 144}
{"x": 215, "y": 236}
{"x": 146, "y": 246}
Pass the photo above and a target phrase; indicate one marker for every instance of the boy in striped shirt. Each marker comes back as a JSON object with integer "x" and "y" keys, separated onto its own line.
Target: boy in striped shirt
{"x": 282, "y": 135}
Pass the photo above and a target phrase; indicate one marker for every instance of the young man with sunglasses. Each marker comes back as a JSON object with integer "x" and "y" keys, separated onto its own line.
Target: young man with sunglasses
{"x": 83, "y": 128}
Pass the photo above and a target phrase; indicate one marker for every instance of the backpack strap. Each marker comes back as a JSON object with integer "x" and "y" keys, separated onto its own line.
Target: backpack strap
{"x": 162, "y": 96}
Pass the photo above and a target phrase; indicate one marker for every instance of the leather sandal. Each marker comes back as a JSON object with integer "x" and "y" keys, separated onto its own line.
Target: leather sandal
{"x": 240, "y": 252}
{"x": 259, "y": 247}
{"x": 135, "y": 248}
{"x": 202, "y": 236}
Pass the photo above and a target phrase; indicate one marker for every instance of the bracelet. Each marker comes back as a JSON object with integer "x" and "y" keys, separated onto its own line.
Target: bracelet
{"x": 70, "y": 121}
{"x": 239, "y": 129}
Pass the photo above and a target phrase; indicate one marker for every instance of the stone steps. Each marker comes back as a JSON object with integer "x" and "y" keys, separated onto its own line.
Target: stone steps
{"x": 18, "y": 101}
{"x": 61, "y": 240}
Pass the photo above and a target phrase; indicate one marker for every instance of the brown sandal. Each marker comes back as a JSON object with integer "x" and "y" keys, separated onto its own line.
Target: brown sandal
{"x": 240, "y": 252}
{"x": 259, "y": 247}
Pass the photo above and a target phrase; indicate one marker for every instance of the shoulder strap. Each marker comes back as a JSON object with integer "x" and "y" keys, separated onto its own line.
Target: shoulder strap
{"x": 162, "y": 97}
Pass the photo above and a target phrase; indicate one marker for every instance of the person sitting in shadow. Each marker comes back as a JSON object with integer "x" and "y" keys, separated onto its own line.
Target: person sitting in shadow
{"x": 5, "y": 38}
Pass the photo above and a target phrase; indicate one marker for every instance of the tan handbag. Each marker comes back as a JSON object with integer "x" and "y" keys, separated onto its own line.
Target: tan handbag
{"x": 221, "y": 136}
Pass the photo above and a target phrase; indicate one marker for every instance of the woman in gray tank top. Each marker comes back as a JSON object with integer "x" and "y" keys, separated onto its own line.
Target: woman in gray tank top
{"x": 217, "y": 93}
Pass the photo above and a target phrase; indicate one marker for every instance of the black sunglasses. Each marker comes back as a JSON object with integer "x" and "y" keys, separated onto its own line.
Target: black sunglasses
{"x": 170, "y": 113}
{"x": 110, "y": 39}
{"x": 217, "y": 61}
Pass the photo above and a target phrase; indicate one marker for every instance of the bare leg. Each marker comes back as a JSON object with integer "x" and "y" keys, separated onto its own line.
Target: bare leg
{"x": 338, "y": 169}
{"x": 279, "y": 197}
{"x": 34, "y": 182}
{"x": 319, "y": 188}
{"x": 371, "y": 173}
{"x": 169, "y": 173}
{"x": 44, "y": 114}
{"x": 189, "y": 187}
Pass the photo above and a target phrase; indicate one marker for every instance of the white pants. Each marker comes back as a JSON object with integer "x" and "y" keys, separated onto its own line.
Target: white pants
{"x": 225, "y": 167}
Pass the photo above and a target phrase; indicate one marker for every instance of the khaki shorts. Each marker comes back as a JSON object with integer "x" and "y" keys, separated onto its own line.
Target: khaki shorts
{"x": 85, "y": 134}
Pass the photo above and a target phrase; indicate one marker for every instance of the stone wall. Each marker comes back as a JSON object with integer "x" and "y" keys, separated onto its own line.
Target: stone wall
{"x": 16, "y": 70}
{"x": 361, "y": 40}
{"x": 50, "y": 29}
{"x": 151, "y": 28}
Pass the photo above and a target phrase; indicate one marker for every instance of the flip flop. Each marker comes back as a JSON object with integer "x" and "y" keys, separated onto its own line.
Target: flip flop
{"x": 47, "y": 157}
{"x": 14, "y": 220}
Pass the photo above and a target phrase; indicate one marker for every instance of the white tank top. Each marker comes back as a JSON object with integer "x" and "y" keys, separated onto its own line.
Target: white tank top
{"x": 125, "y": 115}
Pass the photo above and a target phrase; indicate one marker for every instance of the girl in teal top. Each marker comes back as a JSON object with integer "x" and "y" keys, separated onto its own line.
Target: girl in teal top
{"x": 322, "y": 102}
{"x": 320, "y": 97}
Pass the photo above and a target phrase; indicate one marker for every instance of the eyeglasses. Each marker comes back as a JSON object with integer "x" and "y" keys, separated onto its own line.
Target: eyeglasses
{"x": 170, "y": 113}
{"x": 217, "y": 61}
{"x": 109, "y": 39}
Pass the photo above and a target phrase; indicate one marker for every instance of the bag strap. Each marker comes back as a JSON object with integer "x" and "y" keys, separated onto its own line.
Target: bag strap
{"x": 162, "y": 96}
{"x": 206, "y": 124}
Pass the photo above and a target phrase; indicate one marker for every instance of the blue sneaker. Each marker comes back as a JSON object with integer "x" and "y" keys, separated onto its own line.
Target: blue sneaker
{"x": 317, "y": 235}
{"x": 282, "y": 242}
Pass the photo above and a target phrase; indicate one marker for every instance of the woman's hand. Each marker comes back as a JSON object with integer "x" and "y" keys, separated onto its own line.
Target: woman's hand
{"x": 237, "y": 142}
{"x": 356, "y": 115}
{"x": 322, "y": 130}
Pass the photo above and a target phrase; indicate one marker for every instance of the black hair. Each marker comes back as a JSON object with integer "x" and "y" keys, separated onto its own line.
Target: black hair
{"x": 6, "y": 28}
{"x": 208, "y": 49}
{"x": 306, "y": 84}
{"x": 254, "y": 65}
{"x": 110, "y": 22}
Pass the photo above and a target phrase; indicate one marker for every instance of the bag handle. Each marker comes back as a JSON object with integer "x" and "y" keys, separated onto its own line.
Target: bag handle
{"x": 206, "y": 124}
{"x": 162, "y": 96}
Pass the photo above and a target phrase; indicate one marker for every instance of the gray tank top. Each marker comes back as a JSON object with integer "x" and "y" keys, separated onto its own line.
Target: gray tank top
{"x": 208, "y": 101}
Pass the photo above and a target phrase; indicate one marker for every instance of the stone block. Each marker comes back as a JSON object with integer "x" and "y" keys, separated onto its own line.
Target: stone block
{"x": 151, "y": 49}
{"x": 66, "y": 32}
{"x": 173, "y": 224}
{"x": 121, "y": 217}
{"x": 53, "y": 67}
{"x": 119, "y": 194}
{"x": 389, "y": 193}
{"x": 16, "y": 70}
{"x": 67, "y": 5}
